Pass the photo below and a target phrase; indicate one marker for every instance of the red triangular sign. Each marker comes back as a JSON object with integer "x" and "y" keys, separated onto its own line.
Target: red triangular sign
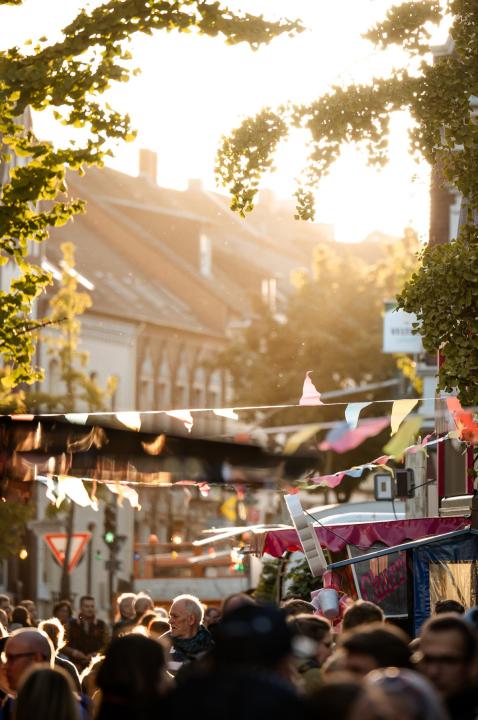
{"x": 57, "y": 544}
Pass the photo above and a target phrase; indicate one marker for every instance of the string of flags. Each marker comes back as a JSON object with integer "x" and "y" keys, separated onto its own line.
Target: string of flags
{"x": 334, "y": 480}
{"x": 310, "y": 397}
{"x": 343, "y": 437}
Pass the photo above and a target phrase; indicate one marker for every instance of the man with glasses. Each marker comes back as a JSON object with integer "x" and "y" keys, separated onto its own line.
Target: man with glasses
{"x": 448, "y": 658}
{"x": 24, "y": 648}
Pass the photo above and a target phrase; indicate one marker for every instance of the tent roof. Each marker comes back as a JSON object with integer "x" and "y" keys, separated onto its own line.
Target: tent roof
{"x": 403, "y": 546}
{"x": 364, "y": 535}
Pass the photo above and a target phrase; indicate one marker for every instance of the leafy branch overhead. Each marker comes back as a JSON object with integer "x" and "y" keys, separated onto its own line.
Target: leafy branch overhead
{"x": 69, "y": 77}
{"x": 441, "y": 96}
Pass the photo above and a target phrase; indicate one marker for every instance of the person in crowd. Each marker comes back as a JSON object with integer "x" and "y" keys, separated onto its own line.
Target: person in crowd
{"x": 32, "y": 610}
{"x": 4, "y": 621}
{"x": 158, "y": 627}
{"x": 5, "y": 604}
{"x": 56, "y": 632}
{"x": 132, "y": 679}
{"x": 409, "y": 695}
{"x": 20, "y": 618}
{"x": 143, "y": 603}
{"x": 449, "y": 606}
{"x": 161, "y": 612}
{"x": 296, "y": 606}
{"x": 312, "y": 644}
{"x": 248, "y": 673}
{"x": 448, "y": 658}
{"x": 126, "y": 613}
{"x": 63, "y": 611}
{"x": 375, "y": 646}
{"x": 345, "y": 697}
{"x": 87, "y": 635}
{"x": 235, "y": 600}
{"x": 147, "y": 618}
{"x": 24, "y": 649}
{"x": 46, "y": 694}
{"x": 212, "y": 615}
{"x": 190, "y": 638}
{"x": 362, "y": 612}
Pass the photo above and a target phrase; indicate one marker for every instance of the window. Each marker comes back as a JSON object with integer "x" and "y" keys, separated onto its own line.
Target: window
{"x": 205, "y": 255}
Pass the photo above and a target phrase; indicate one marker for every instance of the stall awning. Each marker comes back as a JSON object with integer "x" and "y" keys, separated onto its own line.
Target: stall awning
{"x": 364, "y": 535}
{"x": 444, "y": 537}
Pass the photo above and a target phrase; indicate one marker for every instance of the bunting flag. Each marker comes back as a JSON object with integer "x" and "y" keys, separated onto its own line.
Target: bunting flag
{"x": 131, "y": 420}
{"x": 228, "y": 413}
{"x": 229, "y": 507}
{"x": 397, "y": 445}
{"x": 465, "y": 424}
{"x": 184, "y": 416}
{"x": 310, "y": 394}
{"x": 352, "y": 412}
{"x": 400, "y": 410}
{"x": 73, "y": 488}
{"x": 330, "y": 481}
{"x": 124, "y": 492}
{"x": 77, "y": 418}
{"x": 347, "y": 439}
{"x": 295, "y": 441}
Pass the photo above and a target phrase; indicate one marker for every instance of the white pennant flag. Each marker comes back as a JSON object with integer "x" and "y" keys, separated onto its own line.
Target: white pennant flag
{"x": 131, "y": 420}
{"x": 227, "y": 413}
{"x": 352, "y": 413}
{"x": 184, "y": 416}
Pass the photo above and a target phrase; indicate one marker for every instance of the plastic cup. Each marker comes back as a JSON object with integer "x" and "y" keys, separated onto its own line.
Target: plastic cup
{"x": 328, "y": 603}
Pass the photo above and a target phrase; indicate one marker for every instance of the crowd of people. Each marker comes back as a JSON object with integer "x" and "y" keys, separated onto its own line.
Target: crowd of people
{"x": 244, "y": 660}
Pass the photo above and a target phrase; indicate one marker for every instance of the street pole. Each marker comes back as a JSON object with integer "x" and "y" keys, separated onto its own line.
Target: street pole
{"x": 65, "y": 586}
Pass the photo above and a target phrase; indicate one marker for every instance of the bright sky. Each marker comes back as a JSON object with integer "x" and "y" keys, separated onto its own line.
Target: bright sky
{"x": 193, "y": 90}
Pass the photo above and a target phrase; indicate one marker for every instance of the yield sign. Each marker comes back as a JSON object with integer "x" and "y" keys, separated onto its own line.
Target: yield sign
{"x": 57, "y": 544}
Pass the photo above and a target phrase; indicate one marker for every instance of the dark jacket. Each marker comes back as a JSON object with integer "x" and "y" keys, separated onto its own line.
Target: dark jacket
{"x": 87, "y": 637}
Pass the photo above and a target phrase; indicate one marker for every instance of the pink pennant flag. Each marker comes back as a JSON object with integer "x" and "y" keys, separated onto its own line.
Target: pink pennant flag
{"x": 330, "y": 480}
{"x": 184, "y": 416}
{"x": 353, "y": 438}
{"x": 382, "y": 460}
{"x": 310, "y": 394}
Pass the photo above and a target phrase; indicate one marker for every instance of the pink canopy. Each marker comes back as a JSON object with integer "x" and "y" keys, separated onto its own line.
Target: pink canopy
{"x": 336, "y": 537}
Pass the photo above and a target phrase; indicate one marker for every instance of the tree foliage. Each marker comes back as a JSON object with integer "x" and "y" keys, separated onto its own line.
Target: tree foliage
{"x": 332, "y": 324}
{"x": 13, "y": 522}
{"x": 69, "y": 77}
{"x": 76, "y": 387}
{"x": 441, "y": 99}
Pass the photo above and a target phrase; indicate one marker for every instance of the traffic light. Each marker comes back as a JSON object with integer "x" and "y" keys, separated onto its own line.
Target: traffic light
{"x": 109, "y": 524}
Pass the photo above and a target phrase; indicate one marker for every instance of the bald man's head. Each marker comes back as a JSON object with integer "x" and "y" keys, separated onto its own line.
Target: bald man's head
{"x": 24, "y": 648}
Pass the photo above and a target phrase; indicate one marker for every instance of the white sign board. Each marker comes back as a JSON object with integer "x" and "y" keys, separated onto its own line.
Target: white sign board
{"x": 397, "y": 332}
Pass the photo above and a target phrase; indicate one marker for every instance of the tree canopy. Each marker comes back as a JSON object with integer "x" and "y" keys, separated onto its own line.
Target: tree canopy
{"x": 70, "y": 77}
{"x": 441, "y": 97}
{"x": 332, "y": 323}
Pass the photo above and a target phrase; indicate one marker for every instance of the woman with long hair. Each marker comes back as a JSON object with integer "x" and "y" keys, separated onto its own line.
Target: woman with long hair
{"x": 46, "y": 694}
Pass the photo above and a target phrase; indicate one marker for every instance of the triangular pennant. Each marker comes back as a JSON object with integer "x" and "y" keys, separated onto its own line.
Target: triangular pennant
{"x": 77, "y": 418}
{"x": 226, "y": 413}
{"x": 352, "y": 413}
{"x": 184, "y": 416}
{"x": 296, "y": 440}
{"x": 397, "y": 445}
{"x": 400, "y": 410}
{"x": 131, "y": 420}
{"x": 310, "y": 394}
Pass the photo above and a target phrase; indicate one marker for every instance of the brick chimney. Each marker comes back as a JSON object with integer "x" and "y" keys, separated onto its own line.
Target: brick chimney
{"x": 148, "y": 165}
